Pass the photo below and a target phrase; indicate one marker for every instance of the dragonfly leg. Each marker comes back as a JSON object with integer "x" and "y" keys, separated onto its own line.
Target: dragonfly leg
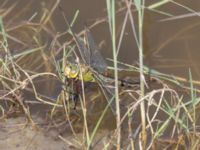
{"x": 72, "y": 86}
{"x": 74, "y": 98}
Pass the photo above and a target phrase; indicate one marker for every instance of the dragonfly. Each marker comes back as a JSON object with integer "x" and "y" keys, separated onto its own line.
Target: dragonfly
{"x": 93, "y": 67}
{"x": 93, "y": 62}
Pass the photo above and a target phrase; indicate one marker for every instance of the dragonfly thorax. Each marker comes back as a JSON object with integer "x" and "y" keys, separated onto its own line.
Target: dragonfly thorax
{"x": 80, "y": 72}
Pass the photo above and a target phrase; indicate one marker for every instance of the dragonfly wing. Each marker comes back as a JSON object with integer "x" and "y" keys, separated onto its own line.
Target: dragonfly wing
{"x": 84, "y": 52}
{"x": 97, "y": 61}
{"x": 107, "y": 89}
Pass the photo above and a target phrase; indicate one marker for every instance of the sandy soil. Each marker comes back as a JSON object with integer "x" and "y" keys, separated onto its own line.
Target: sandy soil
{"x": 15, "y": 134}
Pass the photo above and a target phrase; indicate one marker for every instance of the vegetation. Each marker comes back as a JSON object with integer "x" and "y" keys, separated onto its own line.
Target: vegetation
{"x": 158, "y": 111}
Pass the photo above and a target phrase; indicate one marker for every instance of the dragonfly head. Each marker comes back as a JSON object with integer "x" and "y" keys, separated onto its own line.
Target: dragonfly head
{"x": 71, "y": 71}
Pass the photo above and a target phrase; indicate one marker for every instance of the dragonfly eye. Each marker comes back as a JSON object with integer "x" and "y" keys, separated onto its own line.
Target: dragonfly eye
{"x": 67, "y": 71}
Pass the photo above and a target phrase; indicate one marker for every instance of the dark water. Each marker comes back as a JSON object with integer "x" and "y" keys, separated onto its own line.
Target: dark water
{"x": 169, "y": 46}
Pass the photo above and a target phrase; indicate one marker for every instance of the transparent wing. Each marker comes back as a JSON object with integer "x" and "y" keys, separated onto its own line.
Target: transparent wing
{"x": 97, "y": 62}
{"x": 108, "y": 89}
{"x": 92, "y": 57}
{"x": 84, "y": 52}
